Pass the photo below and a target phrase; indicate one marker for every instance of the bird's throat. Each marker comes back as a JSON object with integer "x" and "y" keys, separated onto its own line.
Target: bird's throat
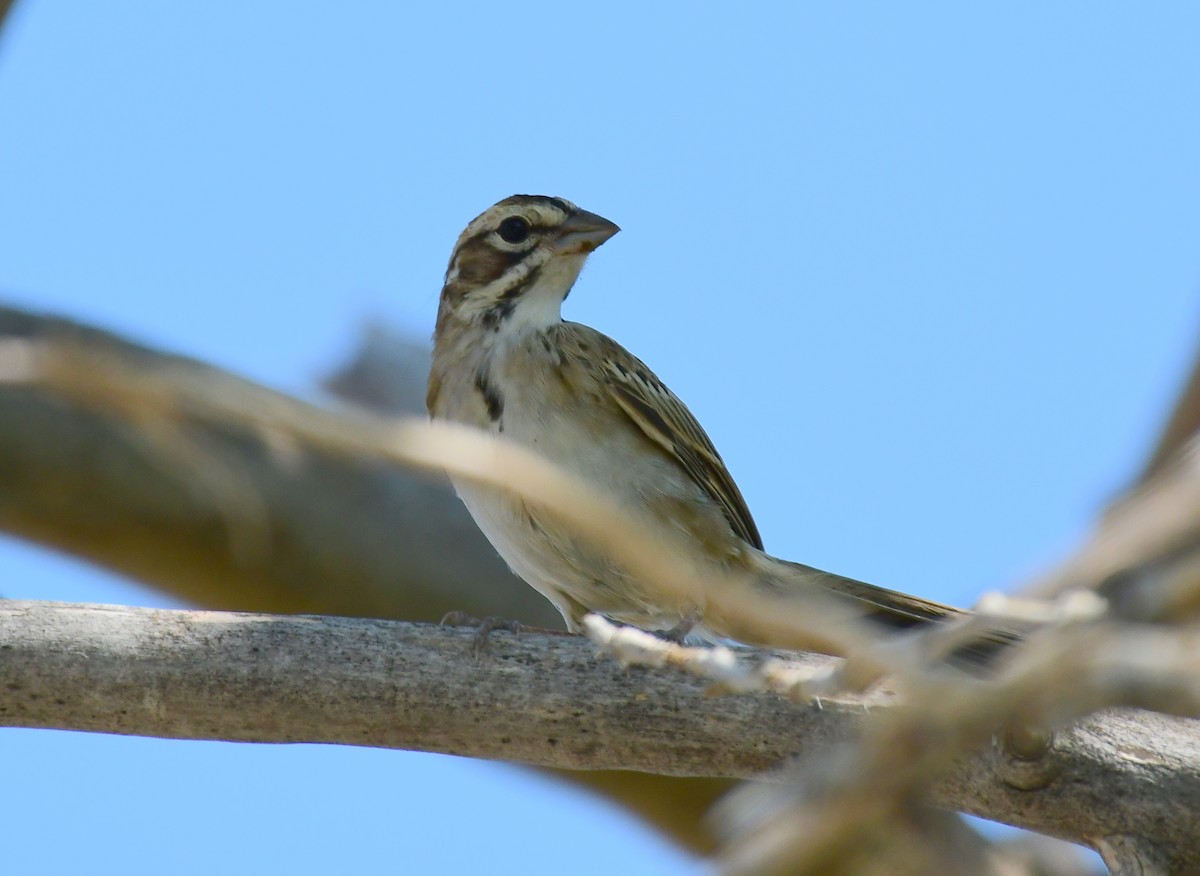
{"x": 536, "y": 303}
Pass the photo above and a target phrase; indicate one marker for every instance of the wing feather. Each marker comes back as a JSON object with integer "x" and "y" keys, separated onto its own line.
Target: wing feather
{"x": 666, "y": 421}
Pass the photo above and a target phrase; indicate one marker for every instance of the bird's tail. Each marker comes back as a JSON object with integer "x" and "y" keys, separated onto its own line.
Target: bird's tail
{"x": 878, "y": 605}
{"x": 890, "y": 610}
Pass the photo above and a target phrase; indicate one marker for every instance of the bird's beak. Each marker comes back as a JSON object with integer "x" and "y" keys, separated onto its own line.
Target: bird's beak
{"x": 583, "y": 232}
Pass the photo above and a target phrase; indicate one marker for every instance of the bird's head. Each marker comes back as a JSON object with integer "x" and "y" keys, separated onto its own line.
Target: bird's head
{"x": 515, "y": 263}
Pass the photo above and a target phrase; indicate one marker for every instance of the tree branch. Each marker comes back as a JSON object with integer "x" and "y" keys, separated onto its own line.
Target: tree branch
{"x": 540, "y": 699}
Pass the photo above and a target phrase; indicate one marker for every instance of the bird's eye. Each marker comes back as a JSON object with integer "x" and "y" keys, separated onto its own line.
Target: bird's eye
{"x": 514, "y": 229}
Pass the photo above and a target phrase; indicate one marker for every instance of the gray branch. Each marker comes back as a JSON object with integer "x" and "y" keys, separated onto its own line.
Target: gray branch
{"x": 546, "y": 700}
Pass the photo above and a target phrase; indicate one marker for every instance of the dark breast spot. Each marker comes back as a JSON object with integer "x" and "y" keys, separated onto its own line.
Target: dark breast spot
{"x": 491, "y": 396}
{"x": 506, "y": 302}
{"x": 495, "y": 315}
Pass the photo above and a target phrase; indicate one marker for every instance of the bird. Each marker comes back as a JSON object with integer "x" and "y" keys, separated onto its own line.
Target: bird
{"x": 506, "y": 362}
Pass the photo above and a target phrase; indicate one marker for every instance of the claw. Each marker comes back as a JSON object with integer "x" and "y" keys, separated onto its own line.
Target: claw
{"x": 681, "y": 630}
{"x": 485, "y": 626}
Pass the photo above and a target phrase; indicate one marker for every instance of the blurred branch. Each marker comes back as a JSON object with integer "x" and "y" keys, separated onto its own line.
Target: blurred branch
{"x": 1144, "y": 554}
{"x": 6, "y": 7}
{"x": 1181, "y": 427}
{"x": 540, "y": 699}
{"x": 222, "y": 514}
{"x": 171, "y": 415}
{"x": 333, "y": 536}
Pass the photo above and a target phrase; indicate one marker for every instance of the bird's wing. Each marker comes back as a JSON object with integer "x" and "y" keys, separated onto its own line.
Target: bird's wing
{"x": 667, "y": 422}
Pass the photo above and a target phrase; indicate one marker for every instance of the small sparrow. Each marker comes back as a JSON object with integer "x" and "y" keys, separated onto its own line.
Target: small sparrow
{"x": 505, "y": 361}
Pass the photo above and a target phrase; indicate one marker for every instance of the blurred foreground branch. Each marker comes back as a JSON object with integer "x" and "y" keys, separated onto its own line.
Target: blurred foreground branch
{"x": 6, "y": 7}
{"x": 214, "y": 509}
{"x": 333, "y": 535}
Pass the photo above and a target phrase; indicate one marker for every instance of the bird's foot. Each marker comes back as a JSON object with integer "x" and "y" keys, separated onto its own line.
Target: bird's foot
{"x": 484, "y": 627}
{"x": 679, "y": 633}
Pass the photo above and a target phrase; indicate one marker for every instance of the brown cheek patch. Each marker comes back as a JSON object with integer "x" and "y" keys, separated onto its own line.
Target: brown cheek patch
{"x": 478, "y": 267}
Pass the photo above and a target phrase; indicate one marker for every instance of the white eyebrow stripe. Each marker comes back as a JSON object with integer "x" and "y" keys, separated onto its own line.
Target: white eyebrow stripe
{"x": 545, "y": 214}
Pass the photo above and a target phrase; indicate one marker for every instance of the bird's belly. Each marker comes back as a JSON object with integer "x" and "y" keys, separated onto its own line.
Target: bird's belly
{"x": 565, "y": 567}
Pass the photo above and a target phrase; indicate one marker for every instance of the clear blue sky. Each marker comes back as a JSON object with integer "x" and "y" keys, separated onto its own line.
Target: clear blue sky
{"x": 928, "y": 274}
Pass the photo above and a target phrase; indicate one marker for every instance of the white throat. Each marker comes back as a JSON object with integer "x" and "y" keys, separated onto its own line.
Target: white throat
{"x": 540, "y": 305}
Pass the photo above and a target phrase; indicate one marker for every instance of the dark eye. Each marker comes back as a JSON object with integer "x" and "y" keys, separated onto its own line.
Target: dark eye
{"x": 514, "y": 229}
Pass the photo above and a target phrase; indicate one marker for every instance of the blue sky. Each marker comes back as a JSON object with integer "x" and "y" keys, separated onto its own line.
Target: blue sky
{"x": 927, "y": 273}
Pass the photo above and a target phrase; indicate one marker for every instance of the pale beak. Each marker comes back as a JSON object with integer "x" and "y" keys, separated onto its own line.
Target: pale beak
{"x": 583, "y": 232}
